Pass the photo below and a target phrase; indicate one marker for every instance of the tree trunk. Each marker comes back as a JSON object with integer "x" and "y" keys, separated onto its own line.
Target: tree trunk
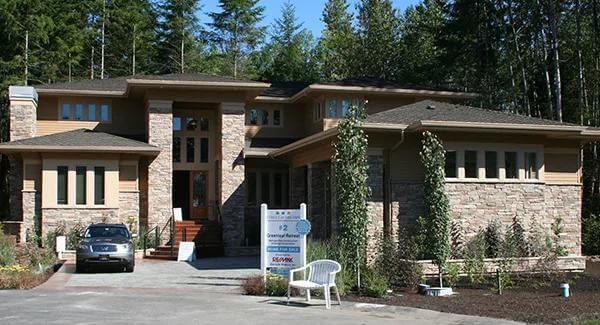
{"x": 581, "y": 99}
{"x": 553, "y": 21}
{"x": 182, "y": 51}
{"x": 526, "y": 104}
{"x": 133, "y": 53}
{"x": 26, "y": 77}
{"x": 92, "y": 64}
{"x": 547, "y": 74}
{"x": 102, "y": 39}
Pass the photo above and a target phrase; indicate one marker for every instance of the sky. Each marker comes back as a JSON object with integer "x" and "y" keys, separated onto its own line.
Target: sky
{"x": 308, "y": 11}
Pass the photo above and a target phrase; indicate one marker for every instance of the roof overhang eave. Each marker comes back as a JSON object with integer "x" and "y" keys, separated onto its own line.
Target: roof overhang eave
{"x": 199, "y": 84}
{"x": 12, "y": 149}
{"x": 81, "y": 92}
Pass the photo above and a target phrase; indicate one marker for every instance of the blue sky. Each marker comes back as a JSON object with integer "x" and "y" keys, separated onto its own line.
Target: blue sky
{"x": 308, "y": 11}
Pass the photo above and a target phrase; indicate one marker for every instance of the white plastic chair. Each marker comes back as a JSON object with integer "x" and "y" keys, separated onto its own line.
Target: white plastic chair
{"x": 321, "y": 275}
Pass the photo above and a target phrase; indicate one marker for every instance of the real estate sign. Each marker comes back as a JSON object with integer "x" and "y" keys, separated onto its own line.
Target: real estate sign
{"x": 283, "y": 234}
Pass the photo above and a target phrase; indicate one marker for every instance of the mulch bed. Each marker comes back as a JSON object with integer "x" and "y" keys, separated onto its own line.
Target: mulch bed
{"x": 528, "y": 305}
{"x": 28, "y": 280}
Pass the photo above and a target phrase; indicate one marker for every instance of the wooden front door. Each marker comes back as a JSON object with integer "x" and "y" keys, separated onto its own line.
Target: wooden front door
{"x": 198, "y": 194}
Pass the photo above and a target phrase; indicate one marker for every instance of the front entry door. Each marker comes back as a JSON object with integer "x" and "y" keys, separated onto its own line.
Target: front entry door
{"x": 198, "y": 194}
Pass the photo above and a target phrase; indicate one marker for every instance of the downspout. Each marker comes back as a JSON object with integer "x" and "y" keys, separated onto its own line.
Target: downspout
{"x": 387, "y": 210}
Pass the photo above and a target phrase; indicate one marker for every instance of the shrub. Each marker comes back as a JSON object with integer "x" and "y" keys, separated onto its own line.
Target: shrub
{"x": 254, "y": 285}
{"x": 493, "y": 239}
{"x": 591, "y": 233}
{"x": 374, "y": 284}
{"x": 452, "y": 274}
{"x": 515, "y": 244}
{"x": 456, "y": 240}
{"x": 6, "y": 250}
{"x": 474, "y": 253}
{"x": 74, "y": 236}
{"x": 318, "y": 250}
{"x": 276, "y": 285}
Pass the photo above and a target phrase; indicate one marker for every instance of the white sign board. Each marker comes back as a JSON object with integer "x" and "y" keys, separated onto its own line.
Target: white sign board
{"x": 187, "y": 251}
{"x": 177, "y": 214}
{"x": 61, "y": 245}
{"x": 283, "y": 238}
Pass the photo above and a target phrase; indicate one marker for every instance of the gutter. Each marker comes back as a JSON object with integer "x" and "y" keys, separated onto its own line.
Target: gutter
{"x": 227, "y": 84}
{"x": 115, "y": 149}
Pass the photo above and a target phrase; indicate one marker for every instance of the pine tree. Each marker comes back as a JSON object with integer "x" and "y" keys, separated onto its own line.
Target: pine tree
{"x": 290, "y": 54}
{"x": 377, "y": 40}
{"x": 236, "y": 34}
{"x": 336, "y": 44}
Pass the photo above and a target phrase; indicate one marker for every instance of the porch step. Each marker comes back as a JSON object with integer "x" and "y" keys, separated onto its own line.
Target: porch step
{"x": 206, "y": 234}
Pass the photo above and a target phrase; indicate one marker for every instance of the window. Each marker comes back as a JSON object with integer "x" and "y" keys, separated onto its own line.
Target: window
{"x": 190, "y": 150}
{"x": 470, "y": 164}
{"x": 62, "y": 185}
{"x": 530, "y": 165}
{"x": 177, "y": 149}
{"x": 251, "y": 188}
{"x": 491, "y": 164}
{"x": 79, "y": 112}
{"x": 253, "y": 117}
{"x": 65, "y": 113}
{"x": 450, "y": 166}
{"x": 264, "y": 117}
{"x": 265, "y": 187}
{"x": 91, "y": 112}
{"x": 204, "y": 124}
{"x": 332, "y": 108}
{"x": 276, "y": 117}
{"x": 104, "y": 113}
{"x": 80, "y": 185}
{"x": 176, "y": 123}
{"x": 345, "y": 107}
{"x": 203, "y": 150}
{"x": 191, "y": 124}
{"x": 510, "y": 165}
{"x": 318, "y": 111}
{"x": 99, "y": 185}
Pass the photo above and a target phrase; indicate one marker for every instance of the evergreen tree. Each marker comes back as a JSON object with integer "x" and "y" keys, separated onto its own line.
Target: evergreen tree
{"x": 377, "y": 40}
{"x": 236, "y": 34}
{"x": 336, "y": 44}
{"x": 290, "y": 54}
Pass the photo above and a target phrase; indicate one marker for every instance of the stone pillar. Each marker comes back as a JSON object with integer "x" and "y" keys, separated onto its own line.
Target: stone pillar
{"x": 159, "y": 132}
{"x": 233, "y": 192}
{"x": 297, "y": 186}
{"x": 23, "y": 117}
{"x": 375, "y": 201}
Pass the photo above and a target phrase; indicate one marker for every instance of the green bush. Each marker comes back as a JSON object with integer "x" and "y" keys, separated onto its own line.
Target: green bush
{"x": 591, "y": 235}
{"x": 330, "y": 249}
{"x": 452, "y": 274}
{"x": 74, "y": 236}
{"x": 276, "y": 285}
{"x": 6, "y": 250}
{"x": 374, "y": 284}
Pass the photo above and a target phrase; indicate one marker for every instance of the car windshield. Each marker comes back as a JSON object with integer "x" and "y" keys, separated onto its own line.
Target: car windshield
{"x": 94, "y": 232}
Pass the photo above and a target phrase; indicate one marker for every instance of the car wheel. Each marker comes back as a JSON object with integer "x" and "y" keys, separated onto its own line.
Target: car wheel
{"x": 79, "y": 267}
{"x": 129, "y": 268}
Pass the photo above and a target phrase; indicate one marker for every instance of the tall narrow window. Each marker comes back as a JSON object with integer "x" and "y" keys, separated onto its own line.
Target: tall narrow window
{"x": 176, "y": 149}
{"x": 80, "y": 185}
{"x": 491, "y": 164}
{"x": 65, "y": 112}
{"x": 91, "y": 112}
{"x": 62, "y": 185}
{"x": 203, "y": 124}
{"x": 104, "y": 113}
{"x": 345, "y": 107}
{"x": 190, "y": 146}
{"x": 99, "y": 186}
{"x": 253, "y": 117}
{"x": 176, "y": 123}
{"x": 264, "y": 119}
{"x": 531, "y": 165}
{"x": 203, "y": 150}
{"x": 277, "y": 117}
{"x": 251, "y": 189}
{"x": 510, "y": 164}
{"x": 470, "y": 164}
{"x": 332, "y": 108}
{"x": 450, "y": 167}
{"x": 79, "y": 112}
{"x": 265, "y": 188}
{"x": 278, "y": 189}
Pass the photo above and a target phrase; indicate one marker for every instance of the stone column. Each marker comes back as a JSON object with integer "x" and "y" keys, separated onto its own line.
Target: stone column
{"x": 23, "y": 117}
{"x": 297, "y": 186}
{"x": 233, "y": 192}
{"x": 159, "y": 132}
{"x": 375, "y": 201}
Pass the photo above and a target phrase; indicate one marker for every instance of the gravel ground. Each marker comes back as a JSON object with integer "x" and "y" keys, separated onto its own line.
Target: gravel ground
{"x": 528, "y": 305}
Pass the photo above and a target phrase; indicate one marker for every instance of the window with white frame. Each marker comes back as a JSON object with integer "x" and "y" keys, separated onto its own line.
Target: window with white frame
{"x": 80, "y": 111}
{"x": 264, "y": 117}
{"x": 494, "y": 163}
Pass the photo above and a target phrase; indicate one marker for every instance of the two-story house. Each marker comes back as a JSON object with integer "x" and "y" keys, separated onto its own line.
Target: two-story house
{"x": 124, "y": 149}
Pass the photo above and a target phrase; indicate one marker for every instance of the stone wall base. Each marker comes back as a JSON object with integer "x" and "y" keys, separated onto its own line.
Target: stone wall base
{"x": 53, "y": 217}
{"x": 564, "y": 263}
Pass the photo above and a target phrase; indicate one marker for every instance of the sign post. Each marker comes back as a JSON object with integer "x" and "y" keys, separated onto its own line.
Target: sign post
{"x": 283, "y": 239}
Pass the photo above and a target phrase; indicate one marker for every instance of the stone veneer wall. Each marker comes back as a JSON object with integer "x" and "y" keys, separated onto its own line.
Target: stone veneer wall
{"x": 160, "y": 170}
{"x": 474, "y": 205}
{"x": 129, "y": 207}
{"x": 233, "y": 194}
{"x": 375, "y": 201}
{"x": 318, "y": 199}
{"x": 53, "y": 217}
{"x": 297, "y": 186}
{"x": 32, "y": 208}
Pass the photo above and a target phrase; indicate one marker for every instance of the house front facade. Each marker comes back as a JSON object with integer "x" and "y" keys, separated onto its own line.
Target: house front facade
{"x": 129, "y": 150}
